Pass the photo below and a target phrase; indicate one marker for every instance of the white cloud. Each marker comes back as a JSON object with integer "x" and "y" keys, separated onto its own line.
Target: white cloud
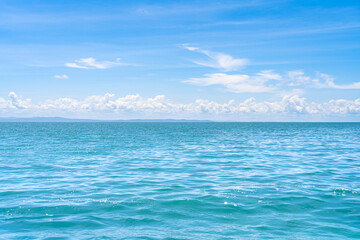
{"x": 75, "y": 65}
{"x": 326, "y": 81}
{"x": 64, "y": 76}
{"x": 259, "y": 83}
{"x": 268, "y": 80}
{"x": 355, "y": 85}
{"x": 298, "y": 78}
{"x": 321, "y": 80}
{"x": 218, "y": 60}
{"x": 160, "y": 105}
{"x": 18, "y": 102}
{"x": 239, "y": 83}
{"x": 4, "y": 104}
{"x": 88, "y": 63}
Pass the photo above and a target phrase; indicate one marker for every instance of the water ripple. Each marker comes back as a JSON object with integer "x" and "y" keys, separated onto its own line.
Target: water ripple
{"x": 179, "y": 180}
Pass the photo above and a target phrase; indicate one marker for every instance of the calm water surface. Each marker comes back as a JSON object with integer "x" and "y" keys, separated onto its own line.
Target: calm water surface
{"x": 179, "y": 180}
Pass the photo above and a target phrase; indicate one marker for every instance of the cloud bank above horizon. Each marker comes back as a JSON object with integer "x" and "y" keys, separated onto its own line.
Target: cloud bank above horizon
{"x": 160, "y": 106}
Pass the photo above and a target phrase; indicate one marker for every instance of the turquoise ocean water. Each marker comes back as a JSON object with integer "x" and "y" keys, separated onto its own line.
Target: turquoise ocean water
{"x": 179, "y": 181}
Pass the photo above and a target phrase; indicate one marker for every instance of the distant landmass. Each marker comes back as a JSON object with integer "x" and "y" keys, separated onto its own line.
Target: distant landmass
{"x": 60, "y": 119}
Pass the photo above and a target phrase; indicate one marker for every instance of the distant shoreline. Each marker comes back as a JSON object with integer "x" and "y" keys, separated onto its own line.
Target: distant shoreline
{"x": 60, "y": 119}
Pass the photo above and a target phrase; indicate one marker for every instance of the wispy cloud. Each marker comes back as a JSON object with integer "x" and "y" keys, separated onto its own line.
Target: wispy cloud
{"x": 268, "y": 81}
{"x": 91, "y": 63}
{"x": 321, "y": 80}
{"x": 264, "y": 81}
{"x": 346, "y": 86}
{"x": 239, "y": 83}
{"x": 326, "y": 81}
{"x": 182, "y": 8}
{"x": 64, "y": 76}
{"x": 318, "y": 29}
{"x": 217, "y": 60}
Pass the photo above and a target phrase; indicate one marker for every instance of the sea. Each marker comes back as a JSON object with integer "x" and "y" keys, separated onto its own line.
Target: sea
{"x": 179, "y": 180}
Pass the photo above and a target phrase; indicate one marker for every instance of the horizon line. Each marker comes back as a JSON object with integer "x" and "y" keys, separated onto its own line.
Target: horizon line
{"x": 69, "y": 120}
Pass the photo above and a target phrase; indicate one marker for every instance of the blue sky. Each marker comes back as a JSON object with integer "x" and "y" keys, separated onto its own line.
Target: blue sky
{"x": 220, "y": 60}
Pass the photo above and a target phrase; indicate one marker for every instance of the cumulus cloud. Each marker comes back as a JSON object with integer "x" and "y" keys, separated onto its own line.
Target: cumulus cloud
{"x": 91, "y": 63}
{"x": 4, "y": 104}
{"x": 289, "y": 104}
{"x": 64, "y": 76}
{"x": 17, "y": 102}
{"x": 218, "y": 60}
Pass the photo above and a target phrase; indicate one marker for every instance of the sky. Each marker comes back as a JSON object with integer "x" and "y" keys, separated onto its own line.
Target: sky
{"x": 244, "y": 60}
